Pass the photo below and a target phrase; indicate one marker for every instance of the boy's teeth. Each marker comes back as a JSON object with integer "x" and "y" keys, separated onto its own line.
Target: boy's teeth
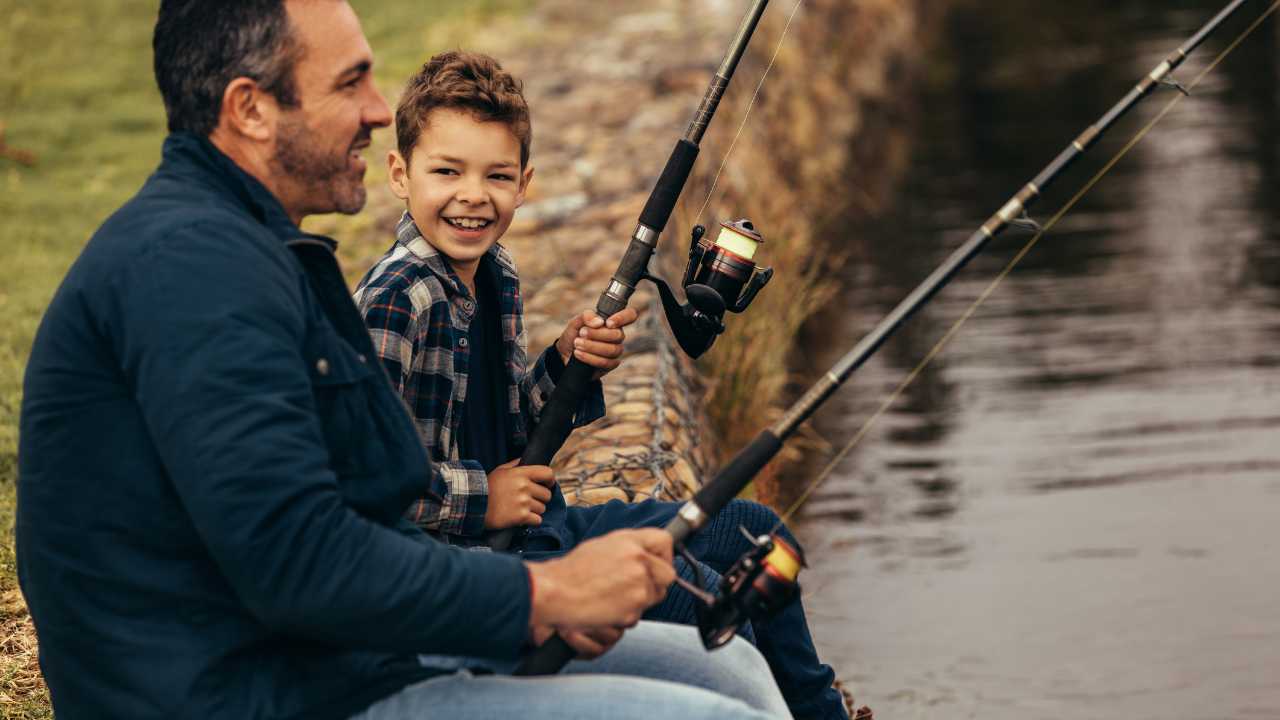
{"x": 468, "y": 223}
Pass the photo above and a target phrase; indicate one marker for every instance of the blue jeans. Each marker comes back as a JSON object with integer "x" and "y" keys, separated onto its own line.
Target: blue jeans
{"x": 657, "y": 670}
{"x": 784, "y": 639}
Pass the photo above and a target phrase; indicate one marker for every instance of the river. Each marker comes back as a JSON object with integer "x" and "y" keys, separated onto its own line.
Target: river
{"x": 1075, "y": 510}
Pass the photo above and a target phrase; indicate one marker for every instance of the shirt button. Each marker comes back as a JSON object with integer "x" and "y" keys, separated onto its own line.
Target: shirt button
{"x": 462, "y": 342}
{"x": 322, "y": 366}
{"x": 468, "y": 306}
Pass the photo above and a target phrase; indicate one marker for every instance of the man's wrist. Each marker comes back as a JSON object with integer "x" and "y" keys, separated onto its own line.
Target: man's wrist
{"x": 543, "y": 593}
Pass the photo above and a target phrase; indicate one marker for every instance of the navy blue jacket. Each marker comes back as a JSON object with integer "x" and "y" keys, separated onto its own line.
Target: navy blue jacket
{"x": 212, "y": 471}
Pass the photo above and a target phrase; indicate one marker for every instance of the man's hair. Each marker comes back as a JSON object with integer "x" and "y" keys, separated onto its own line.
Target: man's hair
{"x": 466, "y": 81}
{"x": 201, "y": 46}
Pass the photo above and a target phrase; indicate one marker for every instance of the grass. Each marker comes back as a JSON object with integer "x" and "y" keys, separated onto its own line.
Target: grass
{"x": 76, "y": 92}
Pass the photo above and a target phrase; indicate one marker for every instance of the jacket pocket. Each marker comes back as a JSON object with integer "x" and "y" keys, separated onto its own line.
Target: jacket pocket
{"x": 340, "y": 379}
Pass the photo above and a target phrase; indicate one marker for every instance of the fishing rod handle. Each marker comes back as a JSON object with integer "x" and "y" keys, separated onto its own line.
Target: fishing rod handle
{"x": 548, "y": 659}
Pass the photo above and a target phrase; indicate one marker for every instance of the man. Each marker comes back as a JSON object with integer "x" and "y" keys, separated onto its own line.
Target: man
{"x": 213, "y": 467}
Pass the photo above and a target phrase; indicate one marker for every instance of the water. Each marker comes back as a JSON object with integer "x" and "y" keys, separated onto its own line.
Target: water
{"x": 1075, "y": 510}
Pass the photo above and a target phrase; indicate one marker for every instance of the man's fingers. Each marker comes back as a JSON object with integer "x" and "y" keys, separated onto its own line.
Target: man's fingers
{"x": 656, "y": 541}
{"x": 590, "y": 645}
{"x": 661, "y": 575}
{"x": 537, "y": 508}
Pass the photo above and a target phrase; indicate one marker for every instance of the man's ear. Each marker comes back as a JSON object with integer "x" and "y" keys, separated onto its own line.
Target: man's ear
{"x": 398, "y": 174}
{"x": 525, "y": 178}
{"x": 248, "y": 111}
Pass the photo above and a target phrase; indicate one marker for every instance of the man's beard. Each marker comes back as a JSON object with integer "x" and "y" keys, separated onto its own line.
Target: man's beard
{"x": 322, "y": 183}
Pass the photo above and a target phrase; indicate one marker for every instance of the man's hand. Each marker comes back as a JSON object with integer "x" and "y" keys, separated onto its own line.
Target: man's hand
{"x": 595, "y": 342}
{"x": 588, "y": 644}
{"x": 600, "y": 588}
{"x": 518, "y": 495}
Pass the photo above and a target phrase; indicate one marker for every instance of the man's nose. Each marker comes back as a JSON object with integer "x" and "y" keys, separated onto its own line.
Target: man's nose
{"x": 377, "y": 113}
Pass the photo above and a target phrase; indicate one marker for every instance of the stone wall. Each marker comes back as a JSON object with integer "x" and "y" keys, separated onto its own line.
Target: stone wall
{"x": 612, "y": 86}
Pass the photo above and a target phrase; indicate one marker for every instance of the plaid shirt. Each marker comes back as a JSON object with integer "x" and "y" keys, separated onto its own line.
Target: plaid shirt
{"x": 419, "y": 313}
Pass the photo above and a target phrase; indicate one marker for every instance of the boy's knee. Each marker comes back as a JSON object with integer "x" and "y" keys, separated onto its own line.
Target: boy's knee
{"x": 757, "y": 518}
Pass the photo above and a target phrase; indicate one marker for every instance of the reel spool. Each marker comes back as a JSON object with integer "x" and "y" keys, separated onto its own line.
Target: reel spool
{"x": 720, "y": 276}
{"x": 758, "y": 585}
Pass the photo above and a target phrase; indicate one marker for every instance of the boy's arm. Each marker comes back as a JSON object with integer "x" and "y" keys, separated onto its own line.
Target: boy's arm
{"x": 460, "y": 510}
{"x": 457, "y": 495}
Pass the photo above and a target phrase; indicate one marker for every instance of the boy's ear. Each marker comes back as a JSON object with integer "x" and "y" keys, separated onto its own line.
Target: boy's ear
{"x": 525, "y": 178}
{"x": 398, "y": 174}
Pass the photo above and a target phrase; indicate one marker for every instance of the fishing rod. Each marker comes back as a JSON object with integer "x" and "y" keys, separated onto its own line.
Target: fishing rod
{"x": 760, "y": 585}
{"x": 720, "y": 276}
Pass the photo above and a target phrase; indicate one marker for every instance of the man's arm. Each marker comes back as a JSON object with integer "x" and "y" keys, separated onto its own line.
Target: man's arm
{"x": 213, "y": 350}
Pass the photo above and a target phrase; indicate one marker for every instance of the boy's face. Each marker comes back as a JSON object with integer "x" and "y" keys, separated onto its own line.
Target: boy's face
{"x": 463, "y": 184}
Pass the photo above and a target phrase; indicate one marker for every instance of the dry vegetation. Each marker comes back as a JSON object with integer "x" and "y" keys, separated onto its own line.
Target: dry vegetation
{"x": 814, "y": 154}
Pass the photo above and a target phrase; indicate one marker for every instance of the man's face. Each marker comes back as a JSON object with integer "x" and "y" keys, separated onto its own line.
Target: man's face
{"x": 463, "y": 184}
{"x": 316, "y": 159}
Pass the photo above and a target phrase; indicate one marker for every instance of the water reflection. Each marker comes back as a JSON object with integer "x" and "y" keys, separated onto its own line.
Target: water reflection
{"x": 1072, "y": 510}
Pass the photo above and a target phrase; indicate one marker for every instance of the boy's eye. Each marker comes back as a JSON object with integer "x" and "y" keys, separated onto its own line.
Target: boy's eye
{"x": 502, "y": 176}
{"x": 445, "y": 171}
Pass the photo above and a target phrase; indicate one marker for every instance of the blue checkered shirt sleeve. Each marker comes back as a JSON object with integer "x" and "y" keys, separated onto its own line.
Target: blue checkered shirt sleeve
{"x": 458, "y": 496}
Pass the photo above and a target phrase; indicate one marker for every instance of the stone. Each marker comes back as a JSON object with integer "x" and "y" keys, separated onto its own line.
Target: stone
{"x": 600, "y": 495}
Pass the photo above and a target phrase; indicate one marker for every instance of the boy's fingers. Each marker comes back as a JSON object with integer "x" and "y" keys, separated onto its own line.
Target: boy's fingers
{"x": 622, "y": 318}
{"x": 510, "y": 463}
{"x": 541, "y": 474}
{"x": 597, "y": 362}
{"x": 599, "y": 349}
{"x": 603, "y": 335}
{"x": 540, "y": 493}
{"x": 590, "y": 319}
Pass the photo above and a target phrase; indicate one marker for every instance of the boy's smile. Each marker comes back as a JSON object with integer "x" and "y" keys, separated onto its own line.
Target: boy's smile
{"x": 463, "y": 183}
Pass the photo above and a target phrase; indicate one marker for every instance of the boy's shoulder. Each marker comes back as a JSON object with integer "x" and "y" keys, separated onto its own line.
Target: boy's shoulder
{"x": 400, "y": 271}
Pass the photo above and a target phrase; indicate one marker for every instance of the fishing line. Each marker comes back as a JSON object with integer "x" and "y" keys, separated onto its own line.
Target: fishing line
{"x": 991, "y": 287}
{"x": 750, "y": 104}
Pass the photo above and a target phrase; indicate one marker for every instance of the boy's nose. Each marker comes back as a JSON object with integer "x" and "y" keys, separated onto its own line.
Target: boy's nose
{"x": 471, "y": 191}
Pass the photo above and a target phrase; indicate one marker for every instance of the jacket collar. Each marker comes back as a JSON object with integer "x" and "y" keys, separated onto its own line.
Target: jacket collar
{"x": 408, "y": 235}
{"x": 195, "y": 157}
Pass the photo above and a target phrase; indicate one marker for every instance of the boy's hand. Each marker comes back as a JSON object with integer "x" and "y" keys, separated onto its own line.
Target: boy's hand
{"x": 595, "y": 342}
{"x": 518, "y": 495}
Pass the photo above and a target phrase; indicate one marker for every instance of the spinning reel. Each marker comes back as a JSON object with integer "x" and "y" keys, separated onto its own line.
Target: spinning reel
{"x": 758, "y": 585}
{"x": 720, "y": 276}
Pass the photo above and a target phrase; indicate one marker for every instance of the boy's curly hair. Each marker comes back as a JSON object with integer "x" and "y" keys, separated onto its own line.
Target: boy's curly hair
{"x": 467, "y": 81}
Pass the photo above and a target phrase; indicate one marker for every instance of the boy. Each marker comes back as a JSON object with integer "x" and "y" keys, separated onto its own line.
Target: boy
{"x": 443, "y": 307}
